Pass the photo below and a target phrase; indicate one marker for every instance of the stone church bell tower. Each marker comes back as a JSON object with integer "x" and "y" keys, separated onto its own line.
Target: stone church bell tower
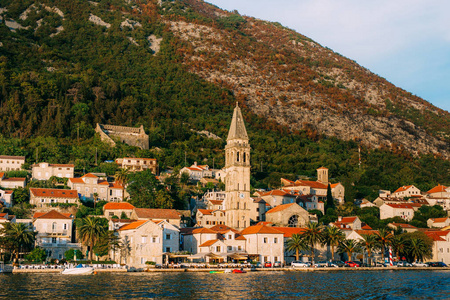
{"x": 237, "y": 180}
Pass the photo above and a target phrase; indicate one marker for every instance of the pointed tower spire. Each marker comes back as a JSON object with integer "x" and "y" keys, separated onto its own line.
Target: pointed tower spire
{"x": 237, "y": 127}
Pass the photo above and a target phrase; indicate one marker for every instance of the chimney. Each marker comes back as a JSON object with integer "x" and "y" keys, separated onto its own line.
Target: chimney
{"x": 339, "y": 218}
{"x": 195, "y": 163}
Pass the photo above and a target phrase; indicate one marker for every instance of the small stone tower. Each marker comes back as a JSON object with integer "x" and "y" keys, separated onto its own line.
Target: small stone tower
{"x": 322, "y": 175}
{"x": 237, "y": 180}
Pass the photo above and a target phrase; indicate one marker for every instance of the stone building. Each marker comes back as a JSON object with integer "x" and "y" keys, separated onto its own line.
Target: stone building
{"x": 134, "y": 164}
{"x": 11, "y": 163}
{"x": 288, "y": 215}
{"x": 43, "y": 170}
{"x": 46, "y": 197}
{"x": 128, "y": 135}
{"x": 90, "y": 184}
{"x": 54, "y": 233}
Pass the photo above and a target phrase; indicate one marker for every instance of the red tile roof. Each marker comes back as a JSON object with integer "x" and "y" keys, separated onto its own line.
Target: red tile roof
{"x": 264, "y": 223}
{"x": 11, "y": 157}
{"x": 53, "y": 193}
{"x": 438, "y": 189}
{"x": 280, "y": 208}
{"x": 115, "y": 185}
{"x": 2, "y": 174}
{"x": 15, "y": 179}
{"x": 366, "y": 227}
{"x": 53, "y": 214}
{"x": 313, "y": 184}
{"x": 403, "y": 188}
{"x": 119, "y": 205}
{"x": 133, "y": 225}
{"x": 439, "y": 220}
{"x": 206, "y": 211}
{"x": 89, "y": 175}
{"x": 157, "y": 213}
{"x": 76, "y": 180}
{"x": 322, "y": 168}
{"x": 348, "y": 219}
{"x": 276, "y": 193}
{"x": 402, "y": 225}
{"x": 216, "y": 202}
{"x": 222, "y": 228}
{"x": 368, "y": 232}
{"x": 260, "y": 229}
{"x": 289, "y": 231}
{"x": 208, "y": 243}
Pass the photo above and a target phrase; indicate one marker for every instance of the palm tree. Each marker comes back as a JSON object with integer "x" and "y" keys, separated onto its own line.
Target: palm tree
{"x": 349, "y": 247}
{"x": 313, "y": 235}
{"x": 333, "y": 236}
{"x": 370, "y": 242}
{"x": 417, "y": 248}
{"x": 296, "y": 243}
{"x": 90, "y": 232}
{"x": 398, "y": 245}
{"x": 121, "y": 176}
{"x": 384, "y": 236}
{"x": 19, "y": 237}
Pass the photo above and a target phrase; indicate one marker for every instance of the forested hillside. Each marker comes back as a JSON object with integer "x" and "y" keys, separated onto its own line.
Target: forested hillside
{"x": 179, "y": 67}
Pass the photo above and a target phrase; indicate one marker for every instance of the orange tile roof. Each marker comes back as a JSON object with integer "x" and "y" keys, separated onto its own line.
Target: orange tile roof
{"x": 279, "y": 208}
{"x": 289, "y": 231}
{"x": 403, "y": 188}
{"x": 333, "y": 185}
{"x": 76, "y": 180}
{"x": 141, "y": 158}
{"x": 264, "y": 223}
{"x": 240, "y": 237}
{"x": 348, "y": 219}
{"x": 366, "y": 227}
{"x": 2, "y": 174}
{"x": 15, "y": 179}
{"x": 222, "y": 228}
{"x": 133, "y": 225}
{"x": 11, "y": 157}
{"x": 313, "y": 184}
{"x": 115, "y": 185}
{"x": 53, "y": 214}
{"x": 322, "y": 168}
{"x": 402, "y": 225}
{"x": 89, "y": 175}
{"x": 260, "y": 229}
{"x": 208, "y": 243}
{"x": 118, "y": 205}
{"x": 435, "y": 235}
{"x": 276, "y": 193}
{"x": 439, "y": 220}
{"x": 216, "y": 202}
{"x": 157, "y": 213}
{"x": 206, "y": 211}
{"x": 438, "y": 189}
{"x": 53, "y": 193}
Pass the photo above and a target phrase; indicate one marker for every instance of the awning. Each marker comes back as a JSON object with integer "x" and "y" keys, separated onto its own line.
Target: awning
{"x": 217, "y": 255}
{"x": 197, "y": 256}
{"x": 238, "y": 256}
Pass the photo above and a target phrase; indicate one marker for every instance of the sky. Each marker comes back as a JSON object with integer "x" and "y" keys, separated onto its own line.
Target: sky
{"x": 406, "y": 42}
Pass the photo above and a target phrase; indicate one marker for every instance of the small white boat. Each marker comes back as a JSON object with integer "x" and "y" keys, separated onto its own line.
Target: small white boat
{"x": 78, "y": 270}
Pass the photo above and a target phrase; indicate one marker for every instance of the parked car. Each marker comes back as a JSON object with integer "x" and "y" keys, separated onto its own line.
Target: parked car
{"x": 277, "y": 264}
{"x": 336, "y": 264}
{"x": 268, "y": 264}
{"x": 258, "y": 265}
{"x": 419, "y": 264}
{"x": 300, "y": 264}
{"x": 438, "y": 264}
{"x": 352, "y": 264}
{"x": 380, "y": 264}
{"x": 403, "y": 264}
{"x": 321, "y": 264}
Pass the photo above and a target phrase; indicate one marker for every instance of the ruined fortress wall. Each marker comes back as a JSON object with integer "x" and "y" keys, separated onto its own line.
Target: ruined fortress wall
{"x": 103, "y": 136}
{"x": 129, "y": 135}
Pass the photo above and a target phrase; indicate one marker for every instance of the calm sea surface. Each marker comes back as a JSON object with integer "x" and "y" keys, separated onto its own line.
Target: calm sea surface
{"x": 252, "y": 285}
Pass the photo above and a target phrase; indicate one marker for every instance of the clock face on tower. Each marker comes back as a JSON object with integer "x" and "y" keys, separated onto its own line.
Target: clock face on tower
{"x": 241, "y": 195}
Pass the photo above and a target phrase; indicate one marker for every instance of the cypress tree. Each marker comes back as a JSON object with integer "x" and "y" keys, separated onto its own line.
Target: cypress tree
{"x": 330, "y": 200}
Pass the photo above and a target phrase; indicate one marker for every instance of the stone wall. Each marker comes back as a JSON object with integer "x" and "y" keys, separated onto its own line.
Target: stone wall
{"x": 128, "y": 135}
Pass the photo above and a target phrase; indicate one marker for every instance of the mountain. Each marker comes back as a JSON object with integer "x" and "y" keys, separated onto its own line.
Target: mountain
{"x": 178, "y": 67}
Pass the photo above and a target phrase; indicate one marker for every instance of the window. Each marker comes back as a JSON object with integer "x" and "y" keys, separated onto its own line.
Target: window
{"x": 266, "y": 258}
{"x": 275, "y": 240}
{"x": 53, "y": 240}
{"x": 167, "y": 249}
{"x": 153, "y": 240}
{"x": 65, "y": 226}
{"x": 111, "y": 214}
{"x": 218, "y": 249}
{"x": 144, "y": 239}
{"x": 265, "y": 240}
{"x": 168, "y": 236}
{"x": 54, "y": 226}
{"x": 94, "y": 190}
{"x": 230, "y": 248}
{"x": 229, "y": 236}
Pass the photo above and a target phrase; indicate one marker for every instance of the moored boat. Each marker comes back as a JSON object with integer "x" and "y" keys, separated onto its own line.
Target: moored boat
{"x": 239, "y": 271}
{"x": 78, "y": 270}
{"x": 215, "y": 272}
